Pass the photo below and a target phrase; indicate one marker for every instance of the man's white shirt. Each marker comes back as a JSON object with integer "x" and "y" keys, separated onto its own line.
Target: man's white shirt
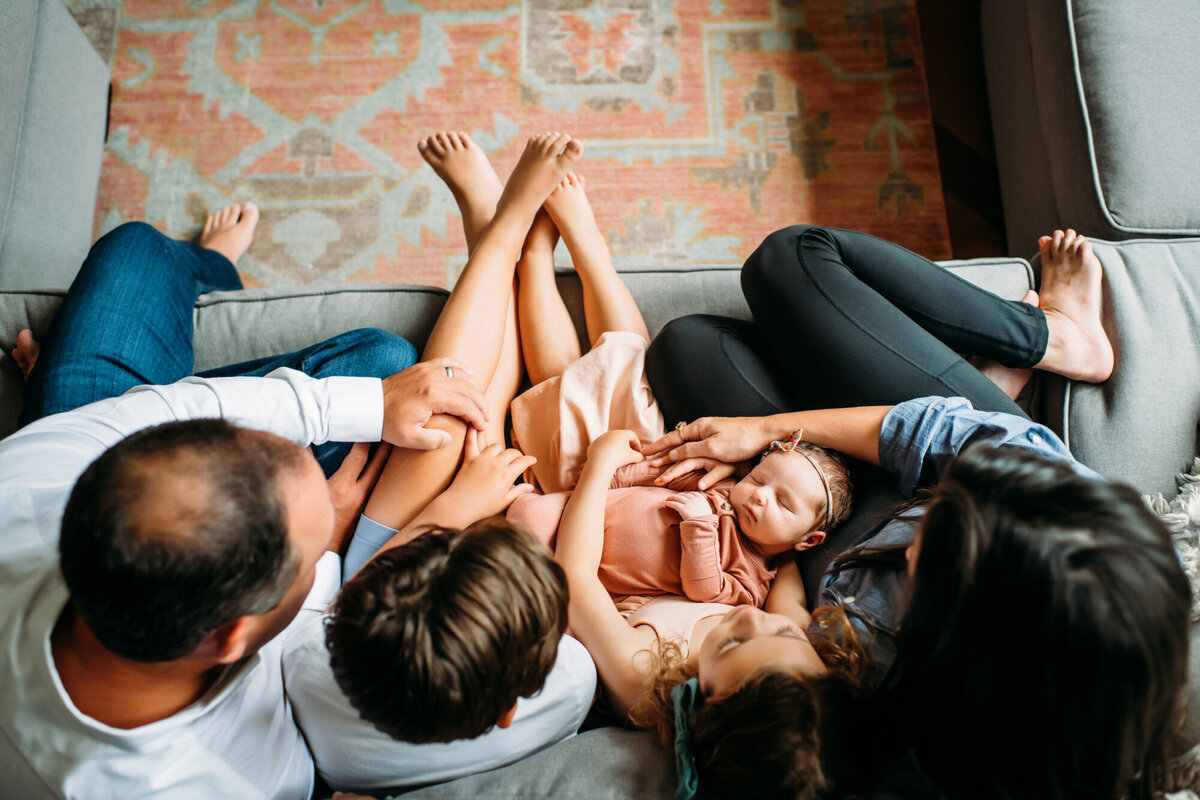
{"x": 241, "y": 739}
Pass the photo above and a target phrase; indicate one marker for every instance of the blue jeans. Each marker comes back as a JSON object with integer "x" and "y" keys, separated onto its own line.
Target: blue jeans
{"x": 127, "y": 321}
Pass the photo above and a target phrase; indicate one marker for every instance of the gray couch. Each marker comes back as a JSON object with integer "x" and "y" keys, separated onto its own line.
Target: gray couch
{"x": 1139, "y": 427}
{"x": 53, "y": 112}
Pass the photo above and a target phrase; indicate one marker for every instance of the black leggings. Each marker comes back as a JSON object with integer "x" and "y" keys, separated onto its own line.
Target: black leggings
{"x": 841, "y": 319}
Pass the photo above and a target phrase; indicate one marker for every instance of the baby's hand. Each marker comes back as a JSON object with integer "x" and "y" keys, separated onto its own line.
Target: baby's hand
{"x": 690, "y": 505}
{"x": 615, "y": 449}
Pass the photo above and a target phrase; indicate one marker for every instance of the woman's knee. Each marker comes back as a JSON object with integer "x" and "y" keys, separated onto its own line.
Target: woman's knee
{"x": 774, "y": 264}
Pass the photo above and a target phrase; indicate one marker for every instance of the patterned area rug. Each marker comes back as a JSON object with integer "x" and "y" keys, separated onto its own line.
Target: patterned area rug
{"x": 707, "y": 124}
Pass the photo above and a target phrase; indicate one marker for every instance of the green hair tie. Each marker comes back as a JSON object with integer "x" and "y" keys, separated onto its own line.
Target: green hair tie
{"x": 686, "y": 697}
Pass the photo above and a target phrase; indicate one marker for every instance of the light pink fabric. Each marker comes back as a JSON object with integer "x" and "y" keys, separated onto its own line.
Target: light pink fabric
{"x": 605, "y": 389}
{"x": 674, "y": 618}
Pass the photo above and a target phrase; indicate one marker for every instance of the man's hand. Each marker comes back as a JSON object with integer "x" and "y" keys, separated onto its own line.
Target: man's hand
{"x": 350, "y": 487}
{"x": 484, "y": 486}
{"x": 689, "y": 505}
{"x": 614, "y": 449}
{"x": 412, "y": 396}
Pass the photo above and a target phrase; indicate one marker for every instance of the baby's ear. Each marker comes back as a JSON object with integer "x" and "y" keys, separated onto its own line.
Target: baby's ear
{"x": 813, "y": 539}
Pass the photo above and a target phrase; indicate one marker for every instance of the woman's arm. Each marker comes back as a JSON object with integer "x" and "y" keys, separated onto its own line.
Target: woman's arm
{"x": 594, "y": 620}
{"x": 853, "y": 431}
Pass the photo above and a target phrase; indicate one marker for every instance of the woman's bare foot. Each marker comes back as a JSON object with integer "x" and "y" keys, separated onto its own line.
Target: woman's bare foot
{"x": 543, "y": 165}
{"x": 1011, "y": 380}
{"x": 1078, "y": 347}
{"x": 26, "y": 352}
{"x": 230, "y": 230}
{"x": 468, "y": 173}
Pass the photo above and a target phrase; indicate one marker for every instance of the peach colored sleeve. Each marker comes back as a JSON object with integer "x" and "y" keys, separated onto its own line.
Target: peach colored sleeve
{"x": 700, "y": 565}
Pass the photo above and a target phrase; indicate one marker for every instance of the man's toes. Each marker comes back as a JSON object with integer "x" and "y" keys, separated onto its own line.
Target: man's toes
{"x": 249, "y": 213}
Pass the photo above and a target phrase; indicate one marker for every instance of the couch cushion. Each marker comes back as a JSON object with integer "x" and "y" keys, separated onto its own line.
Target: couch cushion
{"x": 54, "y": 96}
{"x": 236, "y": 326}
{"x": 604, "y": 764}
{"x": 1140, "y": 426}
{"x": 1094, "y": 110}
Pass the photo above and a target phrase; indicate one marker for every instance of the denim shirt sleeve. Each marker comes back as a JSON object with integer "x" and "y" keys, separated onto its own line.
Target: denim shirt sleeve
{"x": 921, "y": 437}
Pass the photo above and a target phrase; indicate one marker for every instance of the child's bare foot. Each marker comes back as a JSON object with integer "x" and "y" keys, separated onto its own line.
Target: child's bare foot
{"x": 1078, "y": 347}
{"x": 26, "y": 352}
{"x": 544, "y": 163}
{"x": 568, "y": 206}
{"x": 466, "y": 170}
{"x": 230, "y": 230}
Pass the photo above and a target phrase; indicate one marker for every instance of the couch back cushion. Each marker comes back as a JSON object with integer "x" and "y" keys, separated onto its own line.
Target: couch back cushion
{"x": 1137, "y": 69}
{"x": 241, "y": 325}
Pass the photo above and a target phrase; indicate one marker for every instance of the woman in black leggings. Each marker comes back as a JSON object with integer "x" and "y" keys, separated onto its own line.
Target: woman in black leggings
{"x": 842, "y": 318}
{"x": 1040, "y": 647}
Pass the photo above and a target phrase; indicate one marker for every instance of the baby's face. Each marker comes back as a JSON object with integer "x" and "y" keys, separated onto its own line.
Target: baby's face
{"x": 780, "y": 503}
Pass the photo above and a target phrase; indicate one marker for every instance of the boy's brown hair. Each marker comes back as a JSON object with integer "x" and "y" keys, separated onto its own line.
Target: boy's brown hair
{"x": 435, "y": 641}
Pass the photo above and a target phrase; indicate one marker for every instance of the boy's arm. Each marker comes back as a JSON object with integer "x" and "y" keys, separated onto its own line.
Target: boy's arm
{"x": 594, "y": 619}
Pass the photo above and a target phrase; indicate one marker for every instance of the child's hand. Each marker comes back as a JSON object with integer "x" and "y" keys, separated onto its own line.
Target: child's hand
{"x": 484, "y": 486}
{"x": 690, "y": 505}
{"x": 615, "y": 449}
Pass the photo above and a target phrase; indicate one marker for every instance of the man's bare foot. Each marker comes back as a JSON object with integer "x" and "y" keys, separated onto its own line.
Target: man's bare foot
{"x": 1078, "y": 347}
{"x": 568, "y": 206}
{"x": 468, "y": 173}
{"x": 1011, "y": 380}
{"x": 230, "y": 230}
{"x": 543, "y": 164}
{"x": 26, "y": 352}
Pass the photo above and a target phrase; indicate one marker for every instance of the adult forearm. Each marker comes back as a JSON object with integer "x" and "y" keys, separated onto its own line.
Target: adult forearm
{"x": 853, "y": 431}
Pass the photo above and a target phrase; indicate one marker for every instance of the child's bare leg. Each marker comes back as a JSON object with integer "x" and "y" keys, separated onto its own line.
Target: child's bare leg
{"x": 470, "y": 325}
{"x": 466, "y": 170}
{"x": 1078, "y": 347}
{"x": 548, "y": 339}
{"x": 607, "y": 302}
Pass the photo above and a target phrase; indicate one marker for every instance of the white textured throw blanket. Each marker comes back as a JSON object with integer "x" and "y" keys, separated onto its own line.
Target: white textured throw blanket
{"x": 1182, "y": 516}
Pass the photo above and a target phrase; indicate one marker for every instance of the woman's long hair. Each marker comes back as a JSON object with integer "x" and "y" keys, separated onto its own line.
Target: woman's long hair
{"x": 1044, "y": 648}
{"x": 774, "y": 737}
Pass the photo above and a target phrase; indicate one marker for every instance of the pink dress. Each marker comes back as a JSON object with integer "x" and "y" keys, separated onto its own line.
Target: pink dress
{"x": 647, "y": 549}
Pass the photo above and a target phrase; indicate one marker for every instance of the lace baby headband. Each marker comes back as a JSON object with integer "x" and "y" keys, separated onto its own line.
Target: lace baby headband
{"x": 788, "y": 445}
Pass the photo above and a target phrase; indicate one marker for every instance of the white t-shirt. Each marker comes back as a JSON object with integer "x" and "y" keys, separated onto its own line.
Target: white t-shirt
{"x": 240, "y": 739}
{"x": 352, "y": 755}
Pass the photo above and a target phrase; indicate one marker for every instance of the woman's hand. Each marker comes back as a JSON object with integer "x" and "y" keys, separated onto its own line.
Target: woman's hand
{"x": 713, "y": 444}
{"x": 614, "y": 449}
{"x": 689, "y": 505}
{"x": 484, "y": 486}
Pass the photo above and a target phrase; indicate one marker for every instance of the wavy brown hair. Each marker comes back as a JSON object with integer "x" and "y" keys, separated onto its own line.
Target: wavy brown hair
{"x": 776, "y": 735}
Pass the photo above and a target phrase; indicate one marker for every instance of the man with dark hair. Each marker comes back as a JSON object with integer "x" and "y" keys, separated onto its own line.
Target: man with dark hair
{"x": 148, "y": 665}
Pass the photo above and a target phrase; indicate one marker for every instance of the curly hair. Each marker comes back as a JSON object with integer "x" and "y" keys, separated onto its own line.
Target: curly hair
{"x": 434, "y": 641}
{"x": 766, "y": 739}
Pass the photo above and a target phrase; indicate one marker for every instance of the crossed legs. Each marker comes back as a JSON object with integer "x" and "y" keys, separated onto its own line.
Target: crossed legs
{"x": 477, "y": 326}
